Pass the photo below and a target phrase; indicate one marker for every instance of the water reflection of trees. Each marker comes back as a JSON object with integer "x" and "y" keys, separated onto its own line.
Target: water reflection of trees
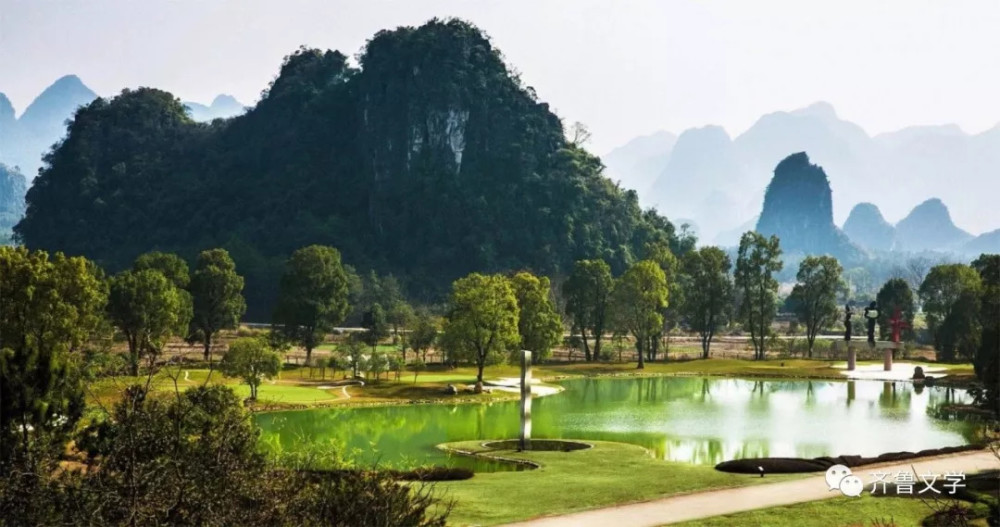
{"x": 646, "y": 411}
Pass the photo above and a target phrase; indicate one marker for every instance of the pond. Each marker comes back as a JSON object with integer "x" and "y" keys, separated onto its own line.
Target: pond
{"x": 687, "y": 419}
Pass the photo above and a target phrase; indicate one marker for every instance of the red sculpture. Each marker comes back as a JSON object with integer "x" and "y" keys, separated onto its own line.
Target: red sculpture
{"x": 898, "y": 325}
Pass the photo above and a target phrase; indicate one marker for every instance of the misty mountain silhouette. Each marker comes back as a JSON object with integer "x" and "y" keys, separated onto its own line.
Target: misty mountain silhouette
{"x": 895, "y": 170}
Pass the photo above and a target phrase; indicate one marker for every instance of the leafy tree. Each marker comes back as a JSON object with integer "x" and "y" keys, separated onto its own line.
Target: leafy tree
{"x": 148, "y": 309}
{"x": 396, "y": 365}
{"x": 217, "y": 292}
{"x": 49, "y": 309}
{"x": 987, "y": 360}
{"x": 313, "y": 297}
{"x": 377, "y": 364}
{"x": 376, "y": 325}
{"x": 894, "y": 295}
{"x": 587, "y": 292}
{"x": 482, "y": 319}
{"x": 814, "y": 297}
{"x": 638, "y": 300}
{"x": 660, "y": 253}
{"x": 400, "y": 316}
{"x": 168, "y": 264}
{"x": 424, "y": 334}
{"x": 175, "y": 269}
{"x": 417, "y": 366}
{"x": 354, "y": 349}
{"x": 539, "y": 326}
{"x": 951, "y": 294}
{"x": 757, "y": 261}
{"x": 252, "y": 360}
{"x": 709, "y": 289}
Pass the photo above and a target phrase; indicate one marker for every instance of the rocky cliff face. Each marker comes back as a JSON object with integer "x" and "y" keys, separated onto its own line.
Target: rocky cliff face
{"x": 866, "y": 227}
{"x": 928, "y": 227}
{"x": 798, "y": 208}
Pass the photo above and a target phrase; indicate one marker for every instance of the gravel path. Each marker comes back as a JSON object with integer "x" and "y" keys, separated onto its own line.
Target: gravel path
{"x": 709, "y": 503}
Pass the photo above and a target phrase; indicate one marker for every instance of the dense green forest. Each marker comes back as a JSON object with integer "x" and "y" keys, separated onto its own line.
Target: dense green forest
{"x": 429, "y": 160}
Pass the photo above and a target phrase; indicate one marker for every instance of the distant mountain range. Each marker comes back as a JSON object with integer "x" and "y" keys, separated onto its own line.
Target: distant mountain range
{"x": 928, "y": 227}
{"x": 222, "y": 107}
{"x": 25, "y": 139}
{"x": 718, "y": 181}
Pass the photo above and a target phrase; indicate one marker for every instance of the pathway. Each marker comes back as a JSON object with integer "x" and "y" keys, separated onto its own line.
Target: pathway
{"x": 699, "y": 505}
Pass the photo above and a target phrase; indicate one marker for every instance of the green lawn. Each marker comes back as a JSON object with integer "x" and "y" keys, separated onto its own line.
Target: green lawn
{"x": 836, "y": 512}
{"x": 608, "y": 474}
{"x": 288, "y": 394}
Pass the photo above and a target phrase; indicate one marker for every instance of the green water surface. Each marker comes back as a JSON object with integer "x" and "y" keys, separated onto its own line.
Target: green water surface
{"x": 687, "y": 419}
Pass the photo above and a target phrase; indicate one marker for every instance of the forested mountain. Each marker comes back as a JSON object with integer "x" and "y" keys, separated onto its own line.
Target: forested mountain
{"x": 429, "y": 160}
{"x": 222, "y": 107}
{"x": 866, "y": 227}
{"x": 799, "y": 210}
{"x": 928, "y": 227}
{"x": 12, "y": 189}
{"x": 899, "y": 169}
{"x": 24, "y": 140}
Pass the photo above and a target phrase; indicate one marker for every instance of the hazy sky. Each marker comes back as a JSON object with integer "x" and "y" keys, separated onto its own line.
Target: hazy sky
{"x": 623, "y": 68}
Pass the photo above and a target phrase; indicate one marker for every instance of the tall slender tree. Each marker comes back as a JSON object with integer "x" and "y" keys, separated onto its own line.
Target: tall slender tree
{"x": 895, "y": 295}
{"x": 148, "y": 309}
{"x": 709, "y": 289}
{"x": 217, "y": 295}
{"x": 814, "y": 297}
{"x": 482, "y": 319}
{"x": 757, "y": 261}
{"x": 951, "y": 297}
{"x": 539, "y": 326}
{"x": 638, "y": 300}
{"x": 987, "y": 360}
{"x": 588, "y": 292}
{"x": 313, "y": 296}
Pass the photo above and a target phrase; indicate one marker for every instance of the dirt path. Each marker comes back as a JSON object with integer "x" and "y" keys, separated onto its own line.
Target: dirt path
{"x": 728, "y": 501}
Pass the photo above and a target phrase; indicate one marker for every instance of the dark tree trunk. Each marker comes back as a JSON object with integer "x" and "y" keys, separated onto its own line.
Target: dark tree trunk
{"x": 208, "y": 346}
{"x": 639, "y": 345}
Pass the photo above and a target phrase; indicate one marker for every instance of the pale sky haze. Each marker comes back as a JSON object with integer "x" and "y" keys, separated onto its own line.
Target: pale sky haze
{"x": 623, "y": 68}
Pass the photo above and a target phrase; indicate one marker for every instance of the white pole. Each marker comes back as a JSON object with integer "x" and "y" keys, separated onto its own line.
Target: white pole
{"x": 525, "y": 400}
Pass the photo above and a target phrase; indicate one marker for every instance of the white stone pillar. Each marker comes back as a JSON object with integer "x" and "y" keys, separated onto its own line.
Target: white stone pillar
{"x": 525, "y": 400}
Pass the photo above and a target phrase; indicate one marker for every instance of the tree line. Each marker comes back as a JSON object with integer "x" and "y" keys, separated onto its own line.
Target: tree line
{"x": 174, "y": 457}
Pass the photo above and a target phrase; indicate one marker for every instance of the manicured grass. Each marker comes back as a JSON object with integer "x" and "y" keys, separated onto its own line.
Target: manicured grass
{"x": 289, "y": 394}
{"x": 836, "y": 512}
{"x": 608, "y": 474}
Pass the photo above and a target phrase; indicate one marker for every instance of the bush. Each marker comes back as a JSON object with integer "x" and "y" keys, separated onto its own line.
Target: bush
{"x": 193, "y": 459}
